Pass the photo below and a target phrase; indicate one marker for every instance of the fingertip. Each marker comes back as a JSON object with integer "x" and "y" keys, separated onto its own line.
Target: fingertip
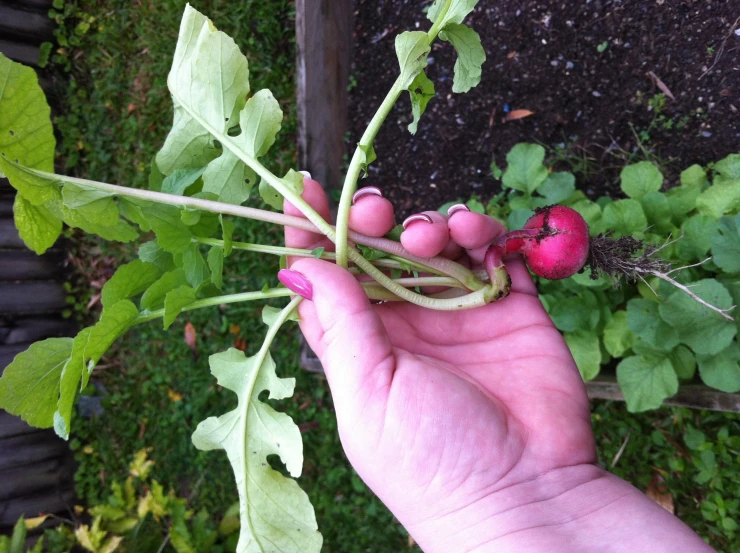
{"x": 472, "y": 230}
{"x": 314, "y": 195}
{"x": 425, "y": 239}
{"x": 372, "y": 215}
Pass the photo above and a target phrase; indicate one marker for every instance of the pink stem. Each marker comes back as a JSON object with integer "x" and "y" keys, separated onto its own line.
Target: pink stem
{"x": 506, "y": 241}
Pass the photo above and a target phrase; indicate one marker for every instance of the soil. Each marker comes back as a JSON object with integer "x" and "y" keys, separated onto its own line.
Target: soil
{"x": 584, "y": 67}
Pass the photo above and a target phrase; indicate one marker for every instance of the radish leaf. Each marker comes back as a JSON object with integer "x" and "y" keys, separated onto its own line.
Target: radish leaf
{"x": 470, "y": 55}
{"x": 646, "y": 380}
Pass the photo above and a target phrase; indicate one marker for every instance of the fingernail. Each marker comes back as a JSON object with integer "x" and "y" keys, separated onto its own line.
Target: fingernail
{"x": 305, "y": 174}
{"x": 455, "y": 208}
{"x": 296, "y": 282}
{"x": 417, "y": 217}
{"x": 366, "y": 191}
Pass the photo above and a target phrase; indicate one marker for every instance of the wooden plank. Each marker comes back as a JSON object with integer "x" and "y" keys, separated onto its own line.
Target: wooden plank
{"x": 26, "y": 265}
{"x": 27, "y": 26}
{"x": 26, "y": 330}
{"x": 6, "y": 207}
{"x": 9, "y": 238}
{"x": 8, "y": 353}
{"x": 31, "y": 297}
{"x": 694, "y": 396}
{"x": 27, "y": 54}
{"x": 41, "y": 6}
{"x": 58, "y": 502}
{"x": 11, "y": 426}
{"x": 35, "y": 478}
{"x": 324, "y": 41}
{"x": 25, "y": 449}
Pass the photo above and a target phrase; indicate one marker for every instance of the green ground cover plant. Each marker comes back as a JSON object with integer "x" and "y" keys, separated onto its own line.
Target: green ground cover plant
{"x": 172, "y": 275}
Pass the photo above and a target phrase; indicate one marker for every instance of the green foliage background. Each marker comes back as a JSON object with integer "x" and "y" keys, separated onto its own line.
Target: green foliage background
{"x": 114, "y": 113}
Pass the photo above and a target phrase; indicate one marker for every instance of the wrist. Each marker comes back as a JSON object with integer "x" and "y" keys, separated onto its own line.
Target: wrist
{"x": 580, "y": 509}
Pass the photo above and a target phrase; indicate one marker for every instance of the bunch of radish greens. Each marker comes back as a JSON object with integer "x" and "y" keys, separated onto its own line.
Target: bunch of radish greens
{"x": 202, "y": 176}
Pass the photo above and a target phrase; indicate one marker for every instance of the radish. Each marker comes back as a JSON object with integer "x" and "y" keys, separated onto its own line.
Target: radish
{"x": 555, "y": 244}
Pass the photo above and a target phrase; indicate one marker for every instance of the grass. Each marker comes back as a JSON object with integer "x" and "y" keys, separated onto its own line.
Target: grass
{"x": 115, "y": 115}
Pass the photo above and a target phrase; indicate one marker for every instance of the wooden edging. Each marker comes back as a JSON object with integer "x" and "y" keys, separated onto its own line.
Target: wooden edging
{"x": 324, "y": 40}
{"x": 693, "y": 396}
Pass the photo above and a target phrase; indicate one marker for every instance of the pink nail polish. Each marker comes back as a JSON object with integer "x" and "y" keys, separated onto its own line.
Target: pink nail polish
{"x": 456, "y": 209}
{"x": 366, "y": 191}
{"x": 417, "y": 217}
{"x": 296, "y": 282}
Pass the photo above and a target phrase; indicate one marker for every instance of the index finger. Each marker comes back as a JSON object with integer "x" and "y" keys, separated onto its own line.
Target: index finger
{"x": 315, "y": 196}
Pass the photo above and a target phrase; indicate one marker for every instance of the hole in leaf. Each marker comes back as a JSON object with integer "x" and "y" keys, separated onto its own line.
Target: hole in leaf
{"x": 263, "y": 396}
{"x": 277, "y": 465}
{"x": 11, "y": 133}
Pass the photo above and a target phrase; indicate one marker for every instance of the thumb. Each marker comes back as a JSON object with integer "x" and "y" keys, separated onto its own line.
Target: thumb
{"x": 347, "y": 334}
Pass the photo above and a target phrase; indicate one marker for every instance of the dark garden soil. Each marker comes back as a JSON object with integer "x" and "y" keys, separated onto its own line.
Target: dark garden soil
{"x": 585, "y": 67}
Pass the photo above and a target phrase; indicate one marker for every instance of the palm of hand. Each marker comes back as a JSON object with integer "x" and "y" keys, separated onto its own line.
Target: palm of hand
{"x": 478, "y": 400}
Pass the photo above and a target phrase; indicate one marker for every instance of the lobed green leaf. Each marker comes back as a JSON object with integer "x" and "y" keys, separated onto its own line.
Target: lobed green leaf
{"x": 37, "y": 225}
{"x": 646, "y": 380}
{"x": 470, "y": 55}
{"x": 129, "y": 280}
{"x": 525, "y": 171}
{"x": 640, "y": 178}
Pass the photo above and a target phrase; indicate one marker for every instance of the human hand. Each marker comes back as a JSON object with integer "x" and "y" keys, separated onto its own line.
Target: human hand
{"x": 459, "y": 421}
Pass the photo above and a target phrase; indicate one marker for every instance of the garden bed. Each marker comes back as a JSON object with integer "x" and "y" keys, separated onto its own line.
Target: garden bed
{"x": 583, "y": 68}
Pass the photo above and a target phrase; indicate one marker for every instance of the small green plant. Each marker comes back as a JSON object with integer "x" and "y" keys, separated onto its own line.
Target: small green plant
{"x": 137, "y": 516}
{"x": 660, "y": 336}
{"x": 602, "y": 46}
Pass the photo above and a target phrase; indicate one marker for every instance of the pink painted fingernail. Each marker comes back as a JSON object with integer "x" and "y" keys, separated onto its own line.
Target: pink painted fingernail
{"x": 457, "y": 208}
{"x": 417, "y": 217}
{"x": 366, "y": 191}
{"x": 296, "y": 282}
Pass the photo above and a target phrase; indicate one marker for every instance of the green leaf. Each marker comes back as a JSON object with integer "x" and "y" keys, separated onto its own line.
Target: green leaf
{"x": 644, "y": 320}
{"x": 682, "y": 200}
{"x": 37, "y": 226}
{"x": 457, "y": 12}
{"x": 129, "y": 280}
{"x": 367, "y": 156}
{"x": 273, "y": 509}
{"x": 120, "y": 232}
{"x": 26, "y": 135}
{"x": 131, "y": 210}
{"x": 152, "y": 253}
{"x": 517, "y": 218}
{"x": 657, "y": 210}
{"x": 575, "y": 312}
{"x": 87, "y": 349}
{"x": 180, "y": 180}
{"x": 558, "y": 187}
{"x": 470, "y": 55}
{"x": 260, "y": 122}
{"x": 584, "y": 345}
{"x": 646, "y": 380}
{"x": 475, "y": 206}
{"x": 270, "y": 315}
{"x": 591, "y": 212}
{"x": 229, "y": 178}
{"x": 624, "y": 217}
{"x": 724, "y": 195}
{"x": 729, "y": 167}
{"x": 203, "y": 96}
{"x": 694, "y": 177}
{"x": 618, "y": 338}
{"x": 726, "y": 245}
{"x": 699, "y": 233}
{"x": 273, "y": 198}
{"x": 421, "y": 92}
{"x": 94, "y": 205}
{"x": 702, "y": 329}
{"x": 216, "y": 265}
{"x": 18, "y": 539}
{"x": 683, "y": 361}
{"x": 154, "y": 296}
{"x": 173, "y": 235}
{"x": 412, "y": 49}
{"x": 227, "y": 233}
{"x": 640, "y": 178}
{"x": 525, "y": 171}
{"x": 317, "y": 252}
{"x": 196, "y": 270}
{"x": 722, "y": 371}
{"x": 175, "y": 301}
{"x": 29, "y": 386}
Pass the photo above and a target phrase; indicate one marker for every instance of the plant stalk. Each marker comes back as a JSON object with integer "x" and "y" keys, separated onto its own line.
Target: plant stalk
{"x": 368, "y": 137}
